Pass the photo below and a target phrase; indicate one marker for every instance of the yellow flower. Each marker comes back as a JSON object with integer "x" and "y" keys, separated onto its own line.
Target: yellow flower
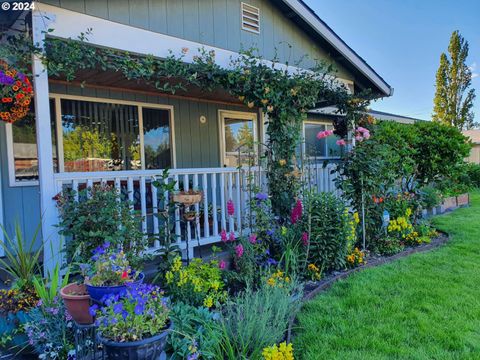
{"x": 264, "y": 101}
{"x": 271, "y": 282}
{"x": 208, "y": 302}
{"x": 282, "y": 162}
{"x": 241, "y": 98}
{"x": 250, "y": 104}
{"x": 356, "y": 218}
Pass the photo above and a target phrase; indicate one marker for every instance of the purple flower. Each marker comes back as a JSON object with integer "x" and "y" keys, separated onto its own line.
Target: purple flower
{"x": 239, "y": 250}
{"x": 261, "y": 196}
{"x": 296, "y": 212}
{"x": 223, "y": 235}
{"x": 252, "y": 238}
{"x": 231, "y": 237}
{"x": 271, "y": 261}
{"x": 270, "y": 232}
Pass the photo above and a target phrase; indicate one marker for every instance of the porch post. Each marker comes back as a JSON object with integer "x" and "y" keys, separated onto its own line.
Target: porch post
{"x": 51, "y": 238}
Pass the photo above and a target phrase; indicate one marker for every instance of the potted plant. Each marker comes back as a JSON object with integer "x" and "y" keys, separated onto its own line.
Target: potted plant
{"x": 135, "y": 324}
{"x": 111, "y": 273}
{"x": 188, "y": 197}
{"x": 77, "y": 301}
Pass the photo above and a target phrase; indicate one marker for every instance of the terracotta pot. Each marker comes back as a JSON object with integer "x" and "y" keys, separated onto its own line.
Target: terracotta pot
{"x": 77, "y": 302}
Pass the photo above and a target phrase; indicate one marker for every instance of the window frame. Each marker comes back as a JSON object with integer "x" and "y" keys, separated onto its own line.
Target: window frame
{"x": 59, "y": 133}
{"x": 140, "y": 106}
{"x": 304, "y": 150}
{"x": 242, "y": 115}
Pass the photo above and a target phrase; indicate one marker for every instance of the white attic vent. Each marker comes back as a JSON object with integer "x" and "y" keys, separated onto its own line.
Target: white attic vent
{"x": 250, "y": 18}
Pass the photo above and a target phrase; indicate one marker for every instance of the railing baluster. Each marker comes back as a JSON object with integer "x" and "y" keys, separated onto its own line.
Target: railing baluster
{"x": 186, "y": 187}
{"x": 118, "y": 187}
{"x": 231, "y": 223}
{"x": 156, "y": 243}
{"x": 222, "y": 201}
{"x": 143, "y": 204}
{"x": 240, "y": 209}
{"x": 206, "y": 227}
{"x": 75, "y": 189}
{"x": 89, "y": 188}
{"x": 178, "y": 229}
{"x": 197, "y": 209}
{"x": 214, "y": 204}
{"x": 130, "y": 192}
{"x": 245, "y": 197}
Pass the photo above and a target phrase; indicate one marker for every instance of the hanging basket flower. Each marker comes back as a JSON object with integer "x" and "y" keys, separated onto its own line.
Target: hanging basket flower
{"x": 16, "y": 94}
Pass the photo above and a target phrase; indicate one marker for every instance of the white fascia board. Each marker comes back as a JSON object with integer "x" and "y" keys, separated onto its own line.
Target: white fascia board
{"x": 105, "y": 33}
{"x": 338, "y": 44}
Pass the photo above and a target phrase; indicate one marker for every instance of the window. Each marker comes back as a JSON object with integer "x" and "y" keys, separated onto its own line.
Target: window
{"x": 239, "y": 136}
{"x": 156, "y": 137}
{"x": 250, "y": 18}
{"x": 22, "y": 149}
{"x": 320, "y": 148}
{"x": 102, "y": 135}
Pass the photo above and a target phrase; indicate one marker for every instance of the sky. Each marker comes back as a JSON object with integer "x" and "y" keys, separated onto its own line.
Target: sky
{"x": 402, "y": 40}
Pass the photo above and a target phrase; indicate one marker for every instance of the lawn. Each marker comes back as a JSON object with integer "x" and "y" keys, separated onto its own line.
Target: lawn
{"x": 426, "y": 306}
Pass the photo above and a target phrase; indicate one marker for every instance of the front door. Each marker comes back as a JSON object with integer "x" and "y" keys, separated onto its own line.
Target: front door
{"x": 238, "y": 138}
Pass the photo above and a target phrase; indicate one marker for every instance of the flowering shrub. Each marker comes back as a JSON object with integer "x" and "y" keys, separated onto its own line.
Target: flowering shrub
{"x": 356, "y": 258}
{"x": 197, "y": 284}
{"x": 401, "y": 226}
{"x": 283, "y": 351}
{"x": 50, "y": 331}
{"x": 139, "y": 313}
{"x": 111, "y": 267}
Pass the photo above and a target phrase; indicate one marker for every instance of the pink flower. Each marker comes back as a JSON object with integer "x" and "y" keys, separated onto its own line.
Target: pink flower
{"x": 366, "y": 135}
{"x": 305, "y": 239}
{"x": 231, "y": 237}
{"x": 324, "y": 134}
{"x": 358, "y": 138}
{"x": 362, "y": 130}
{"x": 230, "y": 208}
{"x": 222, "y": 264}
{"x": 252, "y": 238}
{"x": 341, "y": 142}
{"x": 239, "y": 250}
{"x": 223, "y": 236}
{"x": 296, "y": 212}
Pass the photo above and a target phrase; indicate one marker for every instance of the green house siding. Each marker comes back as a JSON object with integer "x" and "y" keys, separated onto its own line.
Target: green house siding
{"x": 196, "y": 145}
{"x": 20, "y": 203}
{"x": 212, "y": 22}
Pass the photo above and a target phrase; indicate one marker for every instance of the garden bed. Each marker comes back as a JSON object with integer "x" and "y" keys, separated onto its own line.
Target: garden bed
{"x": 314, "y": 288}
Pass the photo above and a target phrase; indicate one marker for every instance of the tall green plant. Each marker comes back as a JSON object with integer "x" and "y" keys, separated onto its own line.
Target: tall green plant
{"x": 21, "y": 257}
{"x": 98, "y": 217}
{"x": 47, "y": 288}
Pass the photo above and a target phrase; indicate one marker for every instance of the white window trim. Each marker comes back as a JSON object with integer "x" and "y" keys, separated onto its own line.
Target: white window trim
{"x": 243, "y": 115}
{"x": 12, "y": 180}
{"x": 304, "y": 150}
{"x": 139, "y": 105}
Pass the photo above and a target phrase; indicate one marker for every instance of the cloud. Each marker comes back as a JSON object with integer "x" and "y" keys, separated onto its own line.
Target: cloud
{"x": 473, "y": 69}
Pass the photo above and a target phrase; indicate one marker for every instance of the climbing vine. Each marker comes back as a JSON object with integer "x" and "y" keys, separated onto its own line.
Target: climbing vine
{"x": 284, "y": 94}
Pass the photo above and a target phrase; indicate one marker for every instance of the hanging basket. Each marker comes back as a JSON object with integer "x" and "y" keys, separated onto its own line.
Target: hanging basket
{"x": 188, "y": 198}
{"x": 16, "y": 94}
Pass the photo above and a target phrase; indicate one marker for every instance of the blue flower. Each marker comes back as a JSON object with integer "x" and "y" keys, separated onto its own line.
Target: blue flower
{"x": 124, "y": 314}
{"x": 270, "y": 232}
{"x": 138, "y": 309}
{"x": 271, "y": 261}
{"x": 93, "y": 309}
{"x": 118, "y": 308}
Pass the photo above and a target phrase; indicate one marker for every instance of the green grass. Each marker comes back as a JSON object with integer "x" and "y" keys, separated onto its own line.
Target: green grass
{"x": 425, "y": 306}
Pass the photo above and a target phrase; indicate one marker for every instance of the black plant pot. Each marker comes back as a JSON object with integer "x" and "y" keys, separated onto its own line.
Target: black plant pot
{"x": 146, "y": 349}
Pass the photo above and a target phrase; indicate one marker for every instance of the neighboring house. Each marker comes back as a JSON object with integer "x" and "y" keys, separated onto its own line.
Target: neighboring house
{"x": 191, "y": 133}
{"x": 474, "y": 136}
{"x": 380, "y": 115}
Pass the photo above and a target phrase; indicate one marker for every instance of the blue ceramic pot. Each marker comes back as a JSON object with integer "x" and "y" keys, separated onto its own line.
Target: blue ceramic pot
{"x": 98, "y": 292}
{"x": 146, "y": 349}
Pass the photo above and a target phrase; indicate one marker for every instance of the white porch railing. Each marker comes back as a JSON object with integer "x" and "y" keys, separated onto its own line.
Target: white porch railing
{"x": 320, "y": 178}
{"x": 217, "y": 184}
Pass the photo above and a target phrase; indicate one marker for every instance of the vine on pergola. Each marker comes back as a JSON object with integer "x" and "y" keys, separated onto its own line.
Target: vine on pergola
{"x": 284, "y": 94}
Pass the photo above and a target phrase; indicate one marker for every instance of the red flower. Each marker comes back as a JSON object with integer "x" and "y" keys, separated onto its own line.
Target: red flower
{"x": 125, "y": 275}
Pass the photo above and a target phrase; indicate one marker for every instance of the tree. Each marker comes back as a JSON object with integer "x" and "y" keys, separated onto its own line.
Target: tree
{"x": 453, "y": 100}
